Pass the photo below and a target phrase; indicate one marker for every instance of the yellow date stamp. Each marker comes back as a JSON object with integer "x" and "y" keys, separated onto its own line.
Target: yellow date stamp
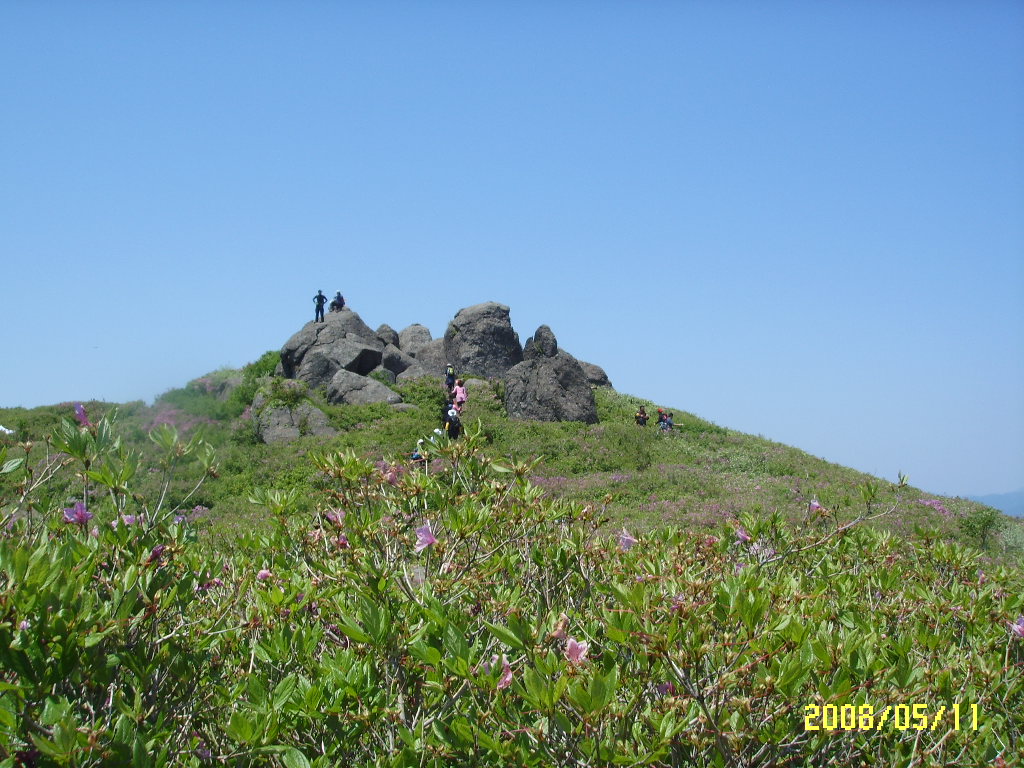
{"x": 899, "y": 717}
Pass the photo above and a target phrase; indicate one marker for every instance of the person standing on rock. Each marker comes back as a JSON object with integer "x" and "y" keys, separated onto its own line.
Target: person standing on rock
{"x": 319, "y": 300}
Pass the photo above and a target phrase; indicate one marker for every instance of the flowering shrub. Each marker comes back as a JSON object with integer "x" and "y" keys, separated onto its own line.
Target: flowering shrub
{"x": 452, "y": 615}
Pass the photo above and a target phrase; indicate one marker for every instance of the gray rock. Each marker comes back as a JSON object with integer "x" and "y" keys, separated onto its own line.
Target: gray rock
{"x": 320, "y": 364}
{"x": 277, "y": 424}
{"x": 388, "y": 335}
{"x": 480, "y": 341}
{"x": 431, "y": 357}
{"x": 411, "y": 339}
{"x": 404, "y": 407}
{"x": 395, "y": 360}
{"x": 595, "y": 375}
{"x": 416, "y": 371}
{"x": 550, "y": 389}
{"x": 352, "y": 389}
{"x": 344, "y": 330}
{"x": 542, "y": 344}
{"x": 380, "y": 372}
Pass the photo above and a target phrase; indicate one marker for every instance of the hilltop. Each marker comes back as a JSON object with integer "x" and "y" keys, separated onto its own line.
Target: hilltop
{"x": 265, "y": 418}
{"x": 177, "y": 590}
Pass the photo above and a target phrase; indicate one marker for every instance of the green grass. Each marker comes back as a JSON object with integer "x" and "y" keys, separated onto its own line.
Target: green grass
{"x": 697, "y": 476}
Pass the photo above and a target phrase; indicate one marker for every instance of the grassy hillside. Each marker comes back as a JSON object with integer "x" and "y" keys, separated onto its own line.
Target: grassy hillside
{"x": 695, "y": 477}
{"x": 172, "y": 599}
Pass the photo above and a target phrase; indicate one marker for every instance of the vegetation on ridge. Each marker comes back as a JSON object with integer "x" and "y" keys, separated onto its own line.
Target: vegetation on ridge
{"x": 372, "y": 612}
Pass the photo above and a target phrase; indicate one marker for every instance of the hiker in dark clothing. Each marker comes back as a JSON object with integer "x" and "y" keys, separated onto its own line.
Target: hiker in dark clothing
{"x": 449, "y": 404}
{"x": 641, "y": 417}
{"x": 337, "y": 303}
{"x": 449, "y": 377}
{"x": 453, "y": 425}
{"x": 319, "y": 300}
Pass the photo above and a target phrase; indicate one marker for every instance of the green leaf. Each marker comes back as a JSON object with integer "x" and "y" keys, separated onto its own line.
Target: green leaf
{"x": 505, "y": 635}
{"x": 11, "y": 465}
{"x": 293, "y": 758}
{"x": 283, "y": 691}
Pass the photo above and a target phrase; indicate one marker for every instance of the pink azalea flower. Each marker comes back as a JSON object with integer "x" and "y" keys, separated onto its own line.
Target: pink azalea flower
{"x": 81, "y": 415}
{"x": 264, "y": 574}
{"x": 506, "y": 674}
{"x": 1017, "y": 628}
{"x": 506, "y": 670}
{"x": 626, "y": 541}
{"x": 424, "y": 537}
{"x": 77, "y": 514}
{"x": 742, "y": 535}
{"x": 576, "y": 651}
{"x": 814, "y": 506}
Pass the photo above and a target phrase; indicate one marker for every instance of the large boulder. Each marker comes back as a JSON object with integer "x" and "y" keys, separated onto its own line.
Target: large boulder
{"x": 318, "y": 351}
{"x": 352, "y": 389}
{"x": 431, "y": 357}
{"x": 480, "y": 341}
{"x": 416, "y": 371}
{"x": 542, "y": 344}
{"x": 549, "y": 387}
{"x": 388, "y": 335}
{"x": 395, "y": 360}
{"x": 595, "y": 375}
{"x": 411, "y": 339}
{"x": 278, "y": 423}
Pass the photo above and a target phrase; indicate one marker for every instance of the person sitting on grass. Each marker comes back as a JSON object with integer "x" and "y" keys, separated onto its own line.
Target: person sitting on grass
{"x": 641, "y": 417}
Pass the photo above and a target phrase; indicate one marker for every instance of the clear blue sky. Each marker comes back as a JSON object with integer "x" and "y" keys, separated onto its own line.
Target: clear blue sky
{"x": 797, "y": 219}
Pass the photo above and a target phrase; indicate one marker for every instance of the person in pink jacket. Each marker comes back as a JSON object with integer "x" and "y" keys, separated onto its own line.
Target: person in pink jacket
{"x": 459, "y": 393}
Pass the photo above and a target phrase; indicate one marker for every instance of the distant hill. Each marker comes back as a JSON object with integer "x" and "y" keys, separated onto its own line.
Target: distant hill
{"x": 1011, "y": 503}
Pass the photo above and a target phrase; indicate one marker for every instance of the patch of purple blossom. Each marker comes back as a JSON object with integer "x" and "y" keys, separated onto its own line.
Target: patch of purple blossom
{"x": 77, "y": 514}
{"x": 936, "y": 505}
{"x": 82, "y": 416}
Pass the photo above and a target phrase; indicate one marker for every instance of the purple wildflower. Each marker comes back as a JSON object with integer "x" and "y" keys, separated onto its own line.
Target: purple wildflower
{"x": 156, "y": 554}
{"x": 264, "y": 574}
{"x": 1017, "y": 628}
{"x": 24, "y": 625}
{"x": 626, "y": 541}
{"x": 81, "y": 415}
{"x": 814, "y": 506}
{"x": 666, "y": 689}
{"x": 936, "y": 505}
{"x": 336, "y": 516}
{"x": 77, "y": 514}
{"x": 742, "y": 535}
{"x": 424, "y": 537}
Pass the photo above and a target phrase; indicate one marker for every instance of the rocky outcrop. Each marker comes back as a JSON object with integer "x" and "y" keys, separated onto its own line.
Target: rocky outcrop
{"x": 352, "y": 389}
{"x": 354, "y": 364}
{"x": 395, "y": 360}
{"x": 279, "y": 423}
{"x": 480, "y": 341}
{"x": 318, "y": 351}
{"x": 550, "y": 385}
{"x": 431, "y": 357}
{"x": 388, "y": 335}
{"x": 595, "y": 375}
{"x": 413, "y": 338}
{"x": 542, "y": 344}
